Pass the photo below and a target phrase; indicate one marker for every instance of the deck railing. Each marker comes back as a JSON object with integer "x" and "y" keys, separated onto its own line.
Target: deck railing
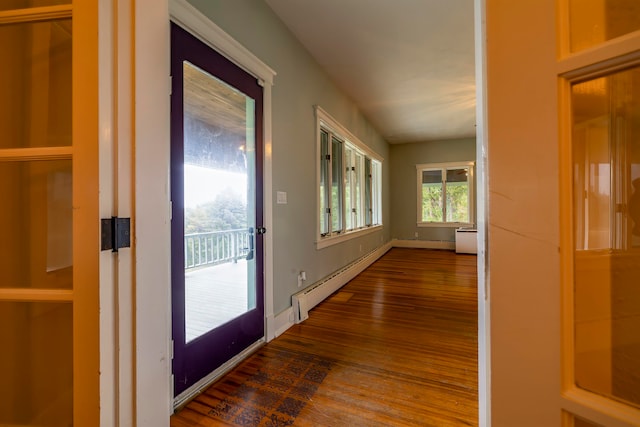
{"x": 217, "y": 247}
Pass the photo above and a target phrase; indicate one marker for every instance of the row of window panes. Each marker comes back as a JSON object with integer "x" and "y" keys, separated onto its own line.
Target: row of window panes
{"x": 349, "y": 186}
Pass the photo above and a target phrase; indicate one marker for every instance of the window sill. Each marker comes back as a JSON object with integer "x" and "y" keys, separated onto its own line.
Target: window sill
{"x": 445, "y": 224}
{"x": 334, "y": 240}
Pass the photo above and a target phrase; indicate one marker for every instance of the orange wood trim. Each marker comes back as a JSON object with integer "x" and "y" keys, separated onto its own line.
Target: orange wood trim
{"x": 35, "y": 14}
{"x": 86, "y": 254}
{"x": 36, "y": 295}
{"x": 35, "y": 153}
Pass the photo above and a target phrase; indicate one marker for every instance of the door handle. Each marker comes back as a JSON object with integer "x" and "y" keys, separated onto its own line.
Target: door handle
{"x": 250, "y": 254}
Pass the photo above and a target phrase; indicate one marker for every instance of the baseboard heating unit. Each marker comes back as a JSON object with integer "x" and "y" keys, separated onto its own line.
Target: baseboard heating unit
{"x": 305, "y": 300}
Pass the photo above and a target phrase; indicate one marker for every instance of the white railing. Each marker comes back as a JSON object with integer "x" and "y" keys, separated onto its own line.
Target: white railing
{"x": 216, "y": 247}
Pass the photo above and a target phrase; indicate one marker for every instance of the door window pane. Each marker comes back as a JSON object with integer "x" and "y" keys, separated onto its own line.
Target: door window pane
{"x": 36, "y": 244}
{"x": 593, "y": 22}
{"x": 35, "y": 90}
{"x": 219, "y": 202}
{"x": 36, "y": 375}
{"x": 606, "y": 217}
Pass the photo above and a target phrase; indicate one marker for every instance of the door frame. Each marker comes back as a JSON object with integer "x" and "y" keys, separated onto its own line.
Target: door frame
{"x": 149, "y": 40}
{"x": 117, "y": 352}
{"x": 482, "y": 212}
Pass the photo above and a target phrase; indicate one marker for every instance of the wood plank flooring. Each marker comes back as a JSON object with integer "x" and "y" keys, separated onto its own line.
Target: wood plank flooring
{"x": 397, "y": 346}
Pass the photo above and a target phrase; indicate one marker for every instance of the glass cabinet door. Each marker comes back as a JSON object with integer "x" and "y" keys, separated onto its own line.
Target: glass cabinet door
{"x": 41, "y": 302}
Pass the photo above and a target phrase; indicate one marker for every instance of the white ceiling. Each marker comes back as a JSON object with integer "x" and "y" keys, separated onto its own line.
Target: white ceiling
{"x": 408, "y": 64}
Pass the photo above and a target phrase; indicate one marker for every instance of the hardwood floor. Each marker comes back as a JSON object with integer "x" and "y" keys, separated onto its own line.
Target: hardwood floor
{"x": 396, "y": 346}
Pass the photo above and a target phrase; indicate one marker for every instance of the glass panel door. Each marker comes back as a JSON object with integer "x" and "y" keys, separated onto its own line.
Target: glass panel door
{"x": 39, "y": 303}
{"x": 606, "y": 216}
{"x": 216, "y": 170}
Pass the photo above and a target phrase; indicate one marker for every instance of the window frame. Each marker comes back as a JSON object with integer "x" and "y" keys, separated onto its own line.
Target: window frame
{"x": 444, "y": 167}
{"x": 352, "y": 175}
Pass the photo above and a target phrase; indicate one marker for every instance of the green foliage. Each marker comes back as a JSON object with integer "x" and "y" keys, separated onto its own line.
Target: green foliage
{"x": 227, "y": 212}
{"x": 432, "y": 202}
{"x": 457, "y": 202}
{"x": 336, "y": 207}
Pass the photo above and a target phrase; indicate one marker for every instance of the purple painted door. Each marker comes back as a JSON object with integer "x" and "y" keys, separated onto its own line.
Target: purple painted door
{"x": 216, "y": 190}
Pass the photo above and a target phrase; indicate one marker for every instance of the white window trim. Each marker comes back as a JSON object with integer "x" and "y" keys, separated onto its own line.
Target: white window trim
{"x": 447, "y": 165}
{"x": 324, "y": 242}
{"x": 325, "y": 121}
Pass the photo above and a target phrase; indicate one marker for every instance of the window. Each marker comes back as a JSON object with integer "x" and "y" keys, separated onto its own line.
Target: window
{"x": 349, "y": 184}
{"x": 445, "y": 194}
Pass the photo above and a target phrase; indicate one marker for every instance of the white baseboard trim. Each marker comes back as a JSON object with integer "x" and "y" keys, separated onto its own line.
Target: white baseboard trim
{"x": 283, "y": 321}
{"x": 270, "y": 326}
{"x": 286, "y": 319}
{"x": 311, "y": 296}
{"x": 424, "y": 244}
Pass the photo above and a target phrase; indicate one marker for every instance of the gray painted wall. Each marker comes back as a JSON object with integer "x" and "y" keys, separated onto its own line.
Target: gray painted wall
{"x": 404, "y": 203}
{"x": 299, "y": 85}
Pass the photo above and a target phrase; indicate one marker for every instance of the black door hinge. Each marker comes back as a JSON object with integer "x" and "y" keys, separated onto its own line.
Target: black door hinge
{"x": 116, "y": 233}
